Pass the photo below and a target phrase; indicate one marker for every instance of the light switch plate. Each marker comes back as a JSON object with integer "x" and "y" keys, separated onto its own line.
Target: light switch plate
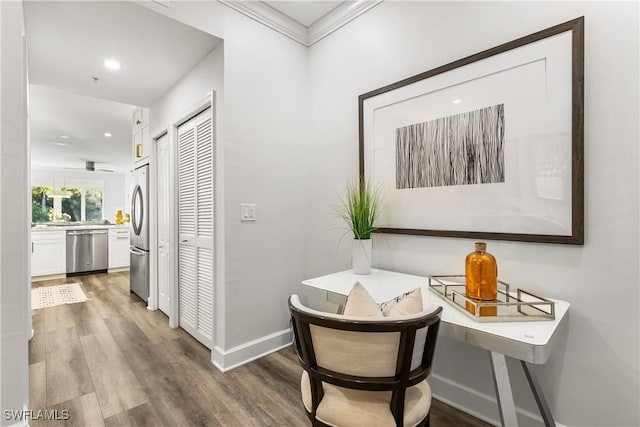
{"x": 247, "y": 212}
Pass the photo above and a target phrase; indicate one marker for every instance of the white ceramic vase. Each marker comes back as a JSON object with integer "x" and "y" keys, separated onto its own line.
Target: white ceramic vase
{"x": 361, "y": 259}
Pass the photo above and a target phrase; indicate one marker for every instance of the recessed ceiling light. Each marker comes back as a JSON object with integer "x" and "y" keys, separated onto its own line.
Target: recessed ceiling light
{"x": 61, "y": 144}
{"x": 457, "y": 101}
{"x": 112, "y": 64}
{"x": 64, "y": 137}
{"x": 107, "y": 134}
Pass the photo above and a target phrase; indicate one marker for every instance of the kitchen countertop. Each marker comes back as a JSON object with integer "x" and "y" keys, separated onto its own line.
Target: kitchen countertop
{"x": 39, "y": 228}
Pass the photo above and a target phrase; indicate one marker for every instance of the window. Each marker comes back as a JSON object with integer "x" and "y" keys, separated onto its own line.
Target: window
{"x": 41, "y": 205}
{"x": 72, "y": 206}
{"x": 93, "y": 204}
{"x": 84, "y": 204}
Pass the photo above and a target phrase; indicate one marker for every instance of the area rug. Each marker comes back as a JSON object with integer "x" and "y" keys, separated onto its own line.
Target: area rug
{"x": 51, "y": 296}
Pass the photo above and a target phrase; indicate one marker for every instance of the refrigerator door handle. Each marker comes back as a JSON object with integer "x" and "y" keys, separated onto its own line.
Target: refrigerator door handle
{"x": 136, "y": 251}
{"x": 136, "y": 217}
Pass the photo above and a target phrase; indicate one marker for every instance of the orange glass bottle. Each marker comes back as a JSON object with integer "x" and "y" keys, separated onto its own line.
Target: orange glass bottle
{"x": 481, "y": 279}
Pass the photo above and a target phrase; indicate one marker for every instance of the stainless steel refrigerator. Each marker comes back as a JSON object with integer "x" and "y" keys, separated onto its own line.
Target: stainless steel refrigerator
{"x": 139, "y": 249}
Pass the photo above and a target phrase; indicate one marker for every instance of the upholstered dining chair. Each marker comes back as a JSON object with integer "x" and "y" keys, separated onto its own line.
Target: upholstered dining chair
{"x": 363, "y": 371}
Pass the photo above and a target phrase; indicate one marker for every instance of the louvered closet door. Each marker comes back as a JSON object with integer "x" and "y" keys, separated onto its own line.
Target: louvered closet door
{"x": 195, "y": 225}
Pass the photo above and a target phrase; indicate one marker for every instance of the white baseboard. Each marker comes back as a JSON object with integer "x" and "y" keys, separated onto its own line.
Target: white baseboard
{"x": 48, "y": 277}
{"x": 476, "y": 403}
{"x": 226, "y": 360}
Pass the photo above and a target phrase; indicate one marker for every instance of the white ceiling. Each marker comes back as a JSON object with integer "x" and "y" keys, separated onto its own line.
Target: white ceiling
{"x": 306, "y": 12}
{"x": 69, "y": 41}
{"x": 84, "y": 120}
{"x": 67, "y": 45}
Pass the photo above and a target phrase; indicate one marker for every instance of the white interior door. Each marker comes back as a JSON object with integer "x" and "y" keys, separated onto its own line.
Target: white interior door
{"x": 164, "y": 223}
{"x": 195, "y": 226}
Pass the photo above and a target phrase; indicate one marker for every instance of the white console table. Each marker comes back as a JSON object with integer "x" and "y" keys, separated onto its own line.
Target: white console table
{"x": 529, "y": 342}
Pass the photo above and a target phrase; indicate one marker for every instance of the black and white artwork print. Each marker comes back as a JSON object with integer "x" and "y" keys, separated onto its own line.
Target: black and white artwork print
{"x": 462, "y": 149}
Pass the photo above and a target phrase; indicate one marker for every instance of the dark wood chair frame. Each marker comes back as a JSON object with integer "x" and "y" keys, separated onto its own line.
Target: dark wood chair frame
{"x": 404, "y": 377}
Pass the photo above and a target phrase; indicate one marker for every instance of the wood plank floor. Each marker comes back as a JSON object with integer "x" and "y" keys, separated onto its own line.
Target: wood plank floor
{"x": 111, "y": 362}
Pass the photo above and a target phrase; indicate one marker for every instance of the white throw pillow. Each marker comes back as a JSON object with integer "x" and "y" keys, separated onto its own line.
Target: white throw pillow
{"x": 403, "y": 305}
{"x": 360, "y": 303}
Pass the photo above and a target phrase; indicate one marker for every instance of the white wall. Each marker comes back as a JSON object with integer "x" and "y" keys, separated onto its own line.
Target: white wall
{"x": 115, "y": 193}
{"x": 592, "y": 377}
{"x": 206, "y": 76}
{"x": 263, "y": 148}
{"x": 14, "y": 215}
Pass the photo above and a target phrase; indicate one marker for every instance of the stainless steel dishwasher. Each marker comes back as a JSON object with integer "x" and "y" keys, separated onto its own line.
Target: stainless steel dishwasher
{"x": 87, "y": 251}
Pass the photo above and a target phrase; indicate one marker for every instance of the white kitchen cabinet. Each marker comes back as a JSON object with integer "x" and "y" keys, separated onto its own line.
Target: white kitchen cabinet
{"x": 118, "y": 248}
{"x": 141, "y": 141}
{"x": 48, "y": 252}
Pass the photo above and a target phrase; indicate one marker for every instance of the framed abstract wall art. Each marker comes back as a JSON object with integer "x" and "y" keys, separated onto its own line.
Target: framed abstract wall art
{"x": 489, "y": 146}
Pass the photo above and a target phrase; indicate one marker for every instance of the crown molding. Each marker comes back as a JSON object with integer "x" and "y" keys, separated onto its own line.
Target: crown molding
{"x": 266, "y": 15}
{"x": 307, "y": 36}
{"x": 338, "y": 17}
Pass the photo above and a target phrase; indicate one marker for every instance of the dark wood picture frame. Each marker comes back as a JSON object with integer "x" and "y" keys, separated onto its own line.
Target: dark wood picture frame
{"x": 576, "y": 26}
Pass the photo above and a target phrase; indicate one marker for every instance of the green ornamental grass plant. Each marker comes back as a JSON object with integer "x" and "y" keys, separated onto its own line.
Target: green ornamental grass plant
{"x": 360, "y": 207}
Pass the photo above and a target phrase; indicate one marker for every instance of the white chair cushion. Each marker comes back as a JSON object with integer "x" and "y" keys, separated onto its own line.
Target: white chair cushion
{"x": 357, "y": 408}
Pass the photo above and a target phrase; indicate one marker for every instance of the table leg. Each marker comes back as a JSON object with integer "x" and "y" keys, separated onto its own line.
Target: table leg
{"x": 538, "y": 395}
{"x": 506, "y": 405}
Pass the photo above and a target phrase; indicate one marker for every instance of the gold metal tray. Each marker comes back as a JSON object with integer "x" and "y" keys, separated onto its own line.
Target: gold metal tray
{"x": 510, "y": 306}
